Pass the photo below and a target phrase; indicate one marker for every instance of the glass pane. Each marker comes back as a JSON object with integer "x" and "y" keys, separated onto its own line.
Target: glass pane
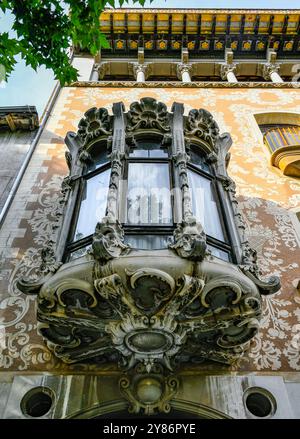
{"x": 80, "y": 252}
{"x": 93, "y": 204}
{"x": 197, "y": 159}
{"x": 204, "y": 205}
{"x": 149, "y": 242}
{"x": 148, "y": 150}
{"x": 221, "y": 254}
{"x": 148, "y": 198}
{"x": 99, "y": 156}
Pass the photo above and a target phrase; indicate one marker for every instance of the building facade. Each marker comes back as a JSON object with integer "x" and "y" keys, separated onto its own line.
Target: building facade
{"x": 150, "y": 257}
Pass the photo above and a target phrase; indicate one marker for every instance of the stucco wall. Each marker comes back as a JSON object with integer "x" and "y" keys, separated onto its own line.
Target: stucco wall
{"x": 267, "y": 199}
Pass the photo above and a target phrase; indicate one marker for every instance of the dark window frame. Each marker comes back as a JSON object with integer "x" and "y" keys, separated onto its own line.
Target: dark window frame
{"x": 225, "y": 245}
{"x": 71, "y": 245}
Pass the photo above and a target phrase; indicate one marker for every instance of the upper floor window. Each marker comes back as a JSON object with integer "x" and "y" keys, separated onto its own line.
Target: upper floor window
{"x": 279, "y": 135}
{"x": 282, "y": 140}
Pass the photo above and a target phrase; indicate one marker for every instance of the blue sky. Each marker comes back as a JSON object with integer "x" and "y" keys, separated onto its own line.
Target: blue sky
{"x": 27, "y": 87}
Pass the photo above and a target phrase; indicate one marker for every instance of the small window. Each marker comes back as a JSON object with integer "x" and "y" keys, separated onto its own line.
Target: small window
{"x": 279, "y": 135}
{"x": 283, "y": 142}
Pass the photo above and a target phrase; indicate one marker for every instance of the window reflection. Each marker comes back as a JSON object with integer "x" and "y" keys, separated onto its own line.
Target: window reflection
{"x": 149, "y": 242}
{"x": 218, "y": 253}
{"x": 148, "y": 150}
{"x": 197, "y": 159}
{"x": 204, "y": 205}
{"x": 148, "y": 197}
{"x": 93, "y": 204}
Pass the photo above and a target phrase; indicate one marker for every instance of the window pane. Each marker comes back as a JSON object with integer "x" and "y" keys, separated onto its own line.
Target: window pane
{"x": 149, "y": 242}
{"x": 204, "y": 205}
{"x": 148, "y": 198}
{"x": 99, "y": 159}
{"x": 221, "y": 254}
{"x": 80, "y": 252}
{"x": 149, "y": 150}
{"x": 197, "y": 159}
{"x": 93, "y": 204}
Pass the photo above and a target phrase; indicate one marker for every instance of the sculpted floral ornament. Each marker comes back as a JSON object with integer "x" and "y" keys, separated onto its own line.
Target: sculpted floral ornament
{"x": 148, "y": 113}
{"x": 201, "y": 124}
{"x": 96, "y": 123}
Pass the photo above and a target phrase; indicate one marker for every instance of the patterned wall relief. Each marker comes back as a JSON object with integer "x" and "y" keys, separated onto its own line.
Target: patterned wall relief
{"x": 265, "y": 198}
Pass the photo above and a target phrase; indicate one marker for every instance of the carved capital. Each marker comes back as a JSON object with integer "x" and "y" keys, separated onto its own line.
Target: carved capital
{"x": 183, "y": 68}
{"x": 268, "y": 69}
{"x": 225, "y": 69}
{"x": 103, "y": 69}
{"x": 144, "y": 68}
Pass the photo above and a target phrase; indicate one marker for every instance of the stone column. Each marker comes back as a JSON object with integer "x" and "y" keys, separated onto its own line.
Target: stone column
{"x": 140, "y": 72}
{"x": 270, "y": 72}
{"x": 184, "y": 72}
{"x": 227, "y": 72}
{"x": 103, "y": 69}
{"x": 95, "y": 73}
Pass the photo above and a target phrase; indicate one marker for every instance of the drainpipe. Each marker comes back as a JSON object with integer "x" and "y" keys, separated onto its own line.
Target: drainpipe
{"x": 30, "y": 152}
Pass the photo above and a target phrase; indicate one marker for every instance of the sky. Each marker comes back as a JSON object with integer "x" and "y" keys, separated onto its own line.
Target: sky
{"x": 27, "y": 87}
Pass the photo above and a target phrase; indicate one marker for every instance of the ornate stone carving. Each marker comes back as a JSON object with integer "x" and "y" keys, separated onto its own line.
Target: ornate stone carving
{"x": 151, "y": 393}
{"x": 249, "y": 257}
{"x": 144, "y": 68}
{"x": 190, "y": 240}
{"x": 108, "y": 240}
{"x": 96, "y": 123}
{"x": 148, "y": 114}
{"x": 144, "y": 309}
{"x": 194, "y": 84}
{"x": 225, "y": 69}
{"x": 201, "y": 124}
{"x": 268, "y": 69}
{"x": 184, "y": 68}
{"x": 103, "y": 69}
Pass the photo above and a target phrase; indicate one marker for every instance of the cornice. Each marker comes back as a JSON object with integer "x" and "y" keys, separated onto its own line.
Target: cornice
{"x": 170, "y": 84}
{"x": 202, "y": 11}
